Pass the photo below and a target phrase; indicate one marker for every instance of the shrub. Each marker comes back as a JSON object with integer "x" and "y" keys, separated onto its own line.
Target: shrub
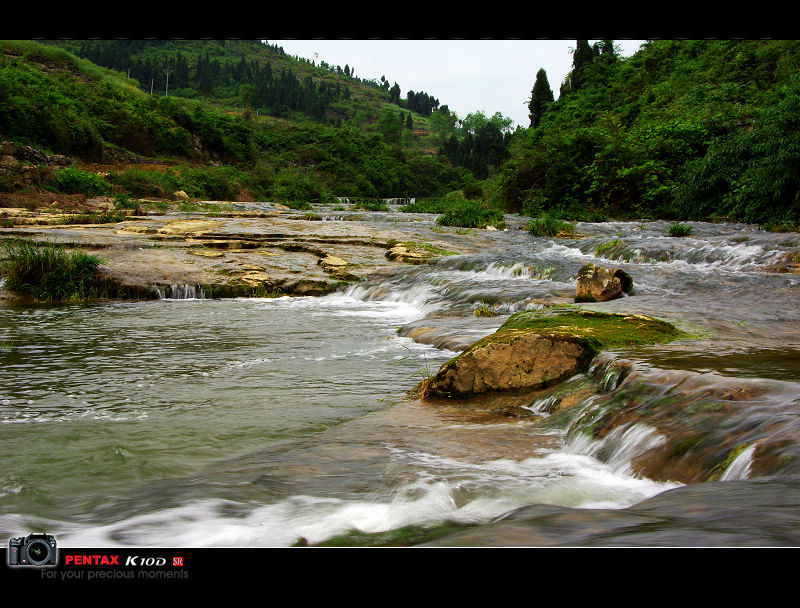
{"x": 296, "y": 187}
{"x": 431, "y": 205}
{"x": 372, "y": 205}
{"x": 214, "y": 183}
{"x": 469, "y": 214}
{"x": 678, "y": 229}
{"x": 49, "y": 273}
{"x": 549, "y": 226}
{"x": 123, "y": 201}
{"x": 75, "y": 181}
{"x": 577, "y": 214}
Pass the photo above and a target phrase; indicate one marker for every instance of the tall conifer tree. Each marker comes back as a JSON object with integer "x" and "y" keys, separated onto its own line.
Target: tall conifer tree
{"x": 583, "y": 55}
{"x": 541, "y": 96}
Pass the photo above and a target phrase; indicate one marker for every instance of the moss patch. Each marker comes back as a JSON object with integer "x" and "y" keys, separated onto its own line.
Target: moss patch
{"x": 603, "y": 330}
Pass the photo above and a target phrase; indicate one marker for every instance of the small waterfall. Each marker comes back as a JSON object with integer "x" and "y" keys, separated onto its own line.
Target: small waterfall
{"x": 610, "y": 372}
{"x": 425, "y": 298}
{"x": 545, "y": 406}
{"x": 180, "y": 292}
{"x": 740, "y": 467}
{"x": 517, "y": 271}
{"x": 619, "y": 447}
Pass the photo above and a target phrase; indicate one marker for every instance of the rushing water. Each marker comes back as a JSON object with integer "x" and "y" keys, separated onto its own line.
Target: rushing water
{"x": 194, "y": 422}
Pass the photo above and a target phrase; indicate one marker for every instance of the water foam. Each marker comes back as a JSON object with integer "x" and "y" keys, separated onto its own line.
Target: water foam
{"x": 415, "y": 301}
{"x": 445, "y": 489}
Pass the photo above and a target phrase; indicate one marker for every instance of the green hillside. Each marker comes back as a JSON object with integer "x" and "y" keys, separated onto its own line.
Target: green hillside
{"x": 686, "y": 129}
{"x": 690, "y": 129}
{"x": 54, "y": 101}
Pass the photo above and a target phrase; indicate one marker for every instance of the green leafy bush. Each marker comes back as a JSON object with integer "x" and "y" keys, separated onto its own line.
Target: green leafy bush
{"x": 471, "y": 214}
{"x": 146, "y": 183}
{"x": 75, "y": 181}
{"x": 678, "y": 229}
{"x": 372, "y": 205}
{"x": 431, "y": 205}
{"x": 214, "y": 183}
{"x": 549, "y": 226}
{"x": 297, "y": 187}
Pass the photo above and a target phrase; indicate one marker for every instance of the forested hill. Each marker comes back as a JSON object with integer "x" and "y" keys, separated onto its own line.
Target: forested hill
{"x": 249, "y": 74}
{"x": 328, "y": 133}
{"x": 684, "y": 129}
{"x": 688, "y": 129}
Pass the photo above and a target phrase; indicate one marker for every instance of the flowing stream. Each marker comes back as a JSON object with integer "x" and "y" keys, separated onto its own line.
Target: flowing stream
{"x": 188, "y": 421}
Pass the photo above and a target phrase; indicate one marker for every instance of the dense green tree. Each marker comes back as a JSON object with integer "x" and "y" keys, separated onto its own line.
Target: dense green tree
{"x": 541, "y": 97}
{"x": 443, "y": 124}
{"x": 583, "y": 55}
{"x": 607, "y": 50}
{"x": 389, "y": 127}
{"x": 394, "y": 94}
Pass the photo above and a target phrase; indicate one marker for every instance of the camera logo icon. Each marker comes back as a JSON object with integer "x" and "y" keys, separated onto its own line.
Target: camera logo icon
{"x": 32, "y": 550}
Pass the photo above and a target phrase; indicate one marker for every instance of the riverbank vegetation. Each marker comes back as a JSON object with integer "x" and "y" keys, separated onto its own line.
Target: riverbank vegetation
{"x": 682, "y": 130}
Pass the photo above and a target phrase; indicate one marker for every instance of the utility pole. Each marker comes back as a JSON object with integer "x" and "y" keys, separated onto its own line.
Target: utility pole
{"x": 166, "y": 89}
{"x": 151, "y": 87}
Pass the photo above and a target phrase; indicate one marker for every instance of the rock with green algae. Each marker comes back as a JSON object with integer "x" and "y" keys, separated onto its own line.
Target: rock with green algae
{"x": 536, "y": 349}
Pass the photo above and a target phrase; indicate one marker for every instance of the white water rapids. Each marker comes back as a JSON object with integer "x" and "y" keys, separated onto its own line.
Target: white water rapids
{"x": 263, "y": 422}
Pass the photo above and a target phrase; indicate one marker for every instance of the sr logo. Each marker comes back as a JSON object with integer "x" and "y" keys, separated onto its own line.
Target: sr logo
{"x": 137, "y": 560}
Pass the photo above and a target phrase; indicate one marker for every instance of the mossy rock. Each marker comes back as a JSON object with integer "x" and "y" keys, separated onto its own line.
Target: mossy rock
{"x": 536, "y": 349}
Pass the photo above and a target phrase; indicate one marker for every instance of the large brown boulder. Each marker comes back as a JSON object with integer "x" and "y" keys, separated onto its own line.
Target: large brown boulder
{"x": 599, "y": 284}
{"x": 514, "y": 361}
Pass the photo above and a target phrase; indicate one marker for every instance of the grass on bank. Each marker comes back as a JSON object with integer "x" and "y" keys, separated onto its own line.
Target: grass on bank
{"x": 457, "y": 210}
{"x": 49, "y": 273}
{"x": 108, "y": 217}
{"x": 678, "y": 230}
{"x": 549, "y": 226}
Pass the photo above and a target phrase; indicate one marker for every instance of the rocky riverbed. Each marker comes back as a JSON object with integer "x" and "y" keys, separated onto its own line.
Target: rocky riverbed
{"x": 246, "y": 249}
{"x": 283, "y": 420}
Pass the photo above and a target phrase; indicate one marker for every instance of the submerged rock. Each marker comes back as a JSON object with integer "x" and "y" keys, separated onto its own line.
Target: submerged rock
{"x": 599, "y": 284}
{"x": 332, "y": 263}
{"x": 400, "y": 253}
{"x": 536, "y": 349}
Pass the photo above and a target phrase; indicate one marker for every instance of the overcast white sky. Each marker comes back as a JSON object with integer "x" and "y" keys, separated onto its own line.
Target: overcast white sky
{"x": 466, "y": 75}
